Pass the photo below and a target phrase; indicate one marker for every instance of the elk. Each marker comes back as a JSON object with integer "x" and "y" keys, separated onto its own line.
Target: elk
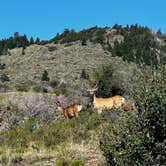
{"x": 71, "y": 110}
{"x": 101, "y": 104}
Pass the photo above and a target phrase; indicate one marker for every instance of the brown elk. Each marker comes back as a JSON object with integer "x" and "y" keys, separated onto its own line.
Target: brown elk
{"x": 101, "y": 104}
{"x": 71, "y": 111}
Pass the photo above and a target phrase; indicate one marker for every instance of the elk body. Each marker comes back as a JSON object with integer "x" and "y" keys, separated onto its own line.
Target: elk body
{"x": 101, "y": 104}
{"x": 71, "y": 111}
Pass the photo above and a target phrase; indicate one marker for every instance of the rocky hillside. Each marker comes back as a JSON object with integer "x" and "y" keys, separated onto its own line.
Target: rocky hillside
{"x": 64, "y": 62}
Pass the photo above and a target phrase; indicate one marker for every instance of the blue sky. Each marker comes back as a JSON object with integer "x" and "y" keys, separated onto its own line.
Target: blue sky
{"x": 44, "y": 18}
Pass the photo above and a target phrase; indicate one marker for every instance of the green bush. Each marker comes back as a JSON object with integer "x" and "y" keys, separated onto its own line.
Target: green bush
{"x": 76, "y": 163}
{"x": 54, "y": 83}
{"x": 61, "y": 163}
{"x": 139, "y": 139}
{"x": 37, "y": 88}
{"x": 30, "y": 124}
{"x": 4, "y": 78}
{"x": 16, "y": 138}
{"x": 22, "y": 87}
{"x": 4, "y": 159}
{"x": 120, "y": 141}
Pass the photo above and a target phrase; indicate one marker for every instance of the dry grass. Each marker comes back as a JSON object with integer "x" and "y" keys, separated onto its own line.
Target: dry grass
{"x": 89, "y": 153}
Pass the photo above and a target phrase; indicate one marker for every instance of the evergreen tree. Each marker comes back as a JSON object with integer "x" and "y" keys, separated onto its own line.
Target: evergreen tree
{"x": 25, "y": 41}
{"x": 84, "y": 75}
{"x": 37, "y": 40}
{"x": 16, "y": 35}
{"x": 32, "y": 40}
{"x": 45, "y": 76}
{"x": 23, "y": 50}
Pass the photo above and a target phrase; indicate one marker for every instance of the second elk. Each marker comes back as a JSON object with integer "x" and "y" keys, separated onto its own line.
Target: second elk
{"x": 71, "y": 110}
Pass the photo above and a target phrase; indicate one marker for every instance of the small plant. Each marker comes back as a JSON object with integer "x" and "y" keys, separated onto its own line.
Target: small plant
{"x": 76, "y": 163}
{"x": 4, "y": 160}
{"x": 52, "y": 48}
{"x": 22, "y": 88}
{"x": 4, "y": 78}
{"x": 83, "y": 42}
{"x": 30, "y": 124}
{"x": 16, "y": 159}
{"x": 61, "y": 163}
{"x": 37, "y": 88}
{"x": 2, "y": 66}
{"x": 54, "y": 83}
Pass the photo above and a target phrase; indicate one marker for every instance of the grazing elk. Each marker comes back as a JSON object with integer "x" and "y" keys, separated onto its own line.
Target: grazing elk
{"x": 101, "y": 104}
{"x": 71, "y": 111}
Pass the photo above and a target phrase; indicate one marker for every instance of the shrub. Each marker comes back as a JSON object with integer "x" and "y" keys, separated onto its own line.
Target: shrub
{"x": 61, "y": 163}
{"x": 16, "y": 138}
{"x": 2, "y": 66}
{"x": 22, "y": 87}
{"x": 52, "y": 48}
{"x": 4, "y": 78}
{"x": 4, "y": 159}
{"x": 40, "y": 88}
{"x": 16, "y": 159}
{"x": 120, "y": 140}
{"x": 76, "y": 163}
{"x": 37, "y": 88}
{"x": 30, "y": 124}
{"x": 139, "y": 139}
{"x": 54, "y": 83}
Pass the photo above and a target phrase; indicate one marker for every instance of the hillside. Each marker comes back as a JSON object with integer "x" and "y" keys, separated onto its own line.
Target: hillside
{"x": 37, "y": 77}
{"x": 62, "y": 62}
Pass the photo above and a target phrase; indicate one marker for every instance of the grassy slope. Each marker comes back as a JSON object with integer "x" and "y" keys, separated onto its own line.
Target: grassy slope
{"x": 61, "y": 63}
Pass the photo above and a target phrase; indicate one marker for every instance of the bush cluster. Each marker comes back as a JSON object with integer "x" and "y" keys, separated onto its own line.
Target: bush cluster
{"x": 139, "y": 139}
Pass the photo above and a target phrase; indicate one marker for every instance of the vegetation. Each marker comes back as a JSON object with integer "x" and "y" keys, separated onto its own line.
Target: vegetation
{"x": 16, "y": 41}
{"x": 123, "y": 138}
{"x": 139, "y": 139}
{"x": 139, "y": 46}
{"x": 52, "y": 135}
{"x": 4, "y": 78}
{"x": 84, "y": 75}
{"x": 93, "y": 34}
{"x": 45, "y": 76}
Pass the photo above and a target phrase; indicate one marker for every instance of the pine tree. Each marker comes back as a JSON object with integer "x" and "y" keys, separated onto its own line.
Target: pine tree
{"x": 31, "y": 40}
{"x": 45, "y": 76}
{"x": 37, "y": 40}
